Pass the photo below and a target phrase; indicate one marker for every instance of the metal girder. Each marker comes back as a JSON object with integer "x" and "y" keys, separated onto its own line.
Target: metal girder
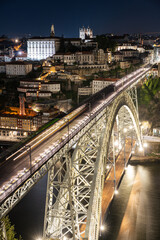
{"x": 22, "y": 190}
{"x": 14, "y": 194}
{"x": 3, "y": 233}
{"x": 75, "y": 184}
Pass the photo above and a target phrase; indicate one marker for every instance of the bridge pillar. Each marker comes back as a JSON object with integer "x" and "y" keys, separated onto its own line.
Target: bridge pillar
{"x": 3, "y": 230}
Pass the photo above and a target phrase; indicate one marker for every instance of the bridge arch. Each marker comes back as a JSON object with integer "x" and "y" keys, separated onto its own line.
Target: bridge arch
{"x": 123, "y": 102}
{"x": 76, "y": 212}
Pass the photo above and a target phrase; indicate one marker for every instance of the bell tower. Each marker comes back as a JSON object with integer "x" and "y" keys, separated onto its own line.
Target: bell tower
{"x": 52, "y": 31}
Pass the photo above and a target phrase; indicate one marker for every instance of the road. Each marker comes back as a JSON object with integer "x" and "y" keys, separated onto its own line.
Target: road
{"x": 44, "y": 145}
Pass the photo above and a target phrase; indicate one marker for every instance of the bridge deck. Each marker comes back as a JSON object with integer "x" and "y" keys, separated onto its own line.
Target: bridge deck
{"x": 108, "y": 191}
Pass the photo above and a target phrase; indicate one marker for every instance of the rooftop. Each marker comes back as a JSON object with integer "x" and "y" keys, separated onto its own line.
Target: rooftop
{"x": 107, "y": 79}
{"x": 18, "y": 63}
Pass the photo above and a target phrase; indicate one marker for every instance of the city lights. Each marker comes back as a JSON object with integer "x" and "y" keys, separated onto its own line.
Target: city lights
{"x": 102, "y": 227}
{"x": 141, "y": 149}
{"x": 116, "y": 191}
{"x": 116, "y": 143}
{"x": 125, "y": 130}
{"x": 145, "y": 145}
{"x": 76, "y": 121}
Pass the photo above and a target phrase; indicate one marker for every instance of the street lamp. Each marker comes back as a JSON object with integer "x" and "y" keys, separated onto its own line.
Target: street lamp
{"x": 140, "y": 149}
{"x": 116, "y": 191}
{"x": 102, "y": 227}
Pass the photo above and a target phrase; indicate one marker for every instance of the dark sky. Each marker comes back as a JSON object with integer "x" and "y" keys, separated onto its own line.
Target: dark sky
{"x": 116, "y": 16}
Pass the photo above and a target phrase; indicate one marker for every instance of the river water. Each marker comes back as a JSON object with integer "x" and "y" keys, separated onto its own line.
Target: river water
{"x": 134, "y": 213}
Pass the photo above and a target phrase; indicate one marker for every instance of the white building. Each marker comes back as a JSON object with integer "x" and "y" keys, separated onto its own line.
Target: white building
{"x": 18, "y": 68}
{"x": 101, "y": 83}
{"x": 85, "y": 33}
{"x": 40, "y": 48}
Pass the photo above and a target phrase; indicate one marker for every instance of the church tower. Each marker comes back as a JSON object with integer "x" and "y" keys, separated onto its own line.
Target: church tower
{"x": 52, "y": 31}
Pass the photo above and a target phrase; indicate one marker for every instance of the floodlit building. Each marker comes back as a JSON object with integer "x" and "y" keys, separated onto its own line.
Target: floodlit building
{"x": 85, "y": 33}
{"x": 40, "y": 48}
{"x": 43, "y": 47}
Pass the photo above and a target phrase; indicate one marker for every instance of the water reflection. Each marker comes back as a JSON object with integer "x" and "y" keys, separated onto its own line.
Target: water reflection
{"x": 134, "y": 214}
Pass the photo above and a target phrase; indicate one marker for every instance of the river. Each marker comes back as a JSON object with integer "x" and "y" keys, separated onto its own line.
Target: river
{"x": 133, "y": 215}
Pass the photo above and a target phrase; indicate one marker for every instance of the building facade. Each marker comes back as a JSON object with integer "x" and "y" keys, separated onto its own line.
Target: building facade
{"x": 85, "y": 33}
{"x": 18, "y": 68}
{"x": 101, "y": 83}
{"x": 40, "y": 48}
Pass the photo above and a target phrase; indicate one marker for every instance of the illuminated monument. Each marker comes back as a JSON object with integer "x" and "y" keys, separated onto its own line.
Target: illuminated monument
{"x": 85, "y": 33}
{"x": 43, "y": 47}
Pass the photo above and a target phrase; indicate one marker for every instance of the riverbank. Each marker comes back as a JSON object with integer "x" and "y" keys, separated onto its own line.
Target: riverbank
{"x": 151, "y": 154}
{"x": 144, "y": 160}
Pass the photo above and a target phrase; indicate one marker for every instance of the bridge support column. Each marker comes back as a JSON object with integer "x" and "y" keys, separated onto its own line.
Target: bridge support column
{"x": 3, "y": 230}
{"x": 114, "y": 160}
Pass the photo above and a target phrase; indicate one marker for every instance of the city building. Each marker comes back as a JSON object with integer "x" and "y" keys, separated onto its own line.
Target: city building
{"x": 36, "y": 88}
{"x": 100, "y": 56}
{"x": 84, "y": 91}
{"x": 118, "y": 56}
{"x": 80, "y": 58}
{"x": 53, "y": 87}
{"x": 85, "y": 57}
{"x": 67, "y": 58}
{"x": 28, "y": 86}
{"x": 101, "y": 83}
{"x": 18, "y": 68}
{"x": 125, "y": 64}
{"x": 74, "y": 41}
{"x": 5, "y": 58}
{"x": 12, "y": 119}
{"x": 22, "y": 56}
{"x": 85, "y": 33}
{"x": 2, "y": 67}
{"x": 43, "y": 47}
{"x": 40, "y": 48}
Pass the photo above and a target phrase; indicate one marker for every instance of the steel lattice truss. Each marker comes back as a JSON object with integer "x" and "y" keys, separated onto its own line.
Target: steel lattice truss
{"x": 76, "y": 176}
{"x": 75, "y": 182}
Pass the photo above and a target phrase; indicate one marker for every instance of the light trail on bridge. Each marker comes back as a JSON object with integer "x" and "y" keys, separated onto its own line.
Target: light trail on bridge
{"x": 18, "y": 167}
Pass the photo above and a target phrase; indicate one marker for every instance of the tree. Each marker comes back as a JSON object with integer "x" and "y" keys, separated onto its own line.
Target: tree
{"x": 105, "y": 43}
{"x": 10, "y": 230}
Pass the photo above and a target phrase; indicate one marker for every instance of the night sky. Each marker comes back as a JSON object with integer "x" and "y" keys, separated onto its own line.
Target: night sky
{"x": 36, "y": 16}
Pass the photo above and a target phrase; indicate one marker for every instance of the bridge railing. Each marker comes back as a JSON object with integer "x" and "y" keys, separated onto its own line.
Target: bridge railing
{"x": 24, "y": 174}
